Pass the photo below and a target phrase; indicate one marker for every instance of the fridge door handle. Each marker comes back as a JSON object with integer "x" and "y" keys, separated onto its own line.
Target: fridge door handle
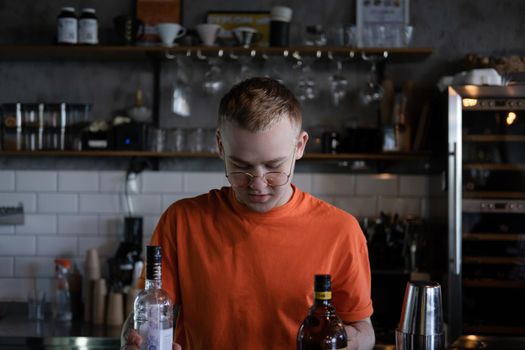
{"x": 454, "y": 187}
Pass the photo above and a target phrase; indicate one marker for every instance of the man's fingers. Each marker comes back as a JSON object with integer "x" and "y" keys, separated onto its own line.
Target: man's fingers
{"x": 177, "y": 346}
{"x": 134, "y": 338}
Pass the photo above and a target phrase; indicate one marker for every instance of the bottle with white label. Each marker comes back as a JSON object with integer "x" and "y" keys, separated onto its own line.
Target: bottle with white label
{"x": 67, "y": 26}
{"x": 88, "y": 27}
{"x": 153, "y": 309}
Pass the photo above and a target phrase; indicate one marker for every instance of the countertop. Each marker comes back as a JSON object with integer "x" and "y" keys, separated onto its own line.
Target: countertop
{"x": 17, "y": 332}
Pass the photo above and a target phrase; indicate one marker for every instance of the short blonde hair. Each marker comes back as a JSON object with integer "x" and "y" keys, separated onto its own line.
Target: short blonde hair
{"x": 256, "y": 104}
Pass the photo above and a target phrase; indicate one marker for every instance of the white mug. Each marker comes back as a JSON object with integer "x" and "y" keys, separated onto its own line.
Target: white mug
{"x": 169, "y": 32}
{"x": 208, "y": 33}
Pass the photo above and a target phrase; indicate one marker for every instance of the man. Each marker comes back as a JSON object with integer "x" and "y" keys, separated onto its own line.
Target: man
{"x": 240, "y": 260}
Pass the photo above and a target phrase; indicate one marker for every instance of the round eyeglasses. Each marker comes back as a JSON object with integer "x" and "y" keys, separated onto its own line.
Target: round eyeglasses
{"x": 272, "y": 178}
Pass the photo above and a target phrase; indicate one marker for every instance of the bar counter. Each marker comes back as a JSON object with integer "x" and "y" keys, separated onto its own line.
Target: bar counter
{"x": 17, "y": 332}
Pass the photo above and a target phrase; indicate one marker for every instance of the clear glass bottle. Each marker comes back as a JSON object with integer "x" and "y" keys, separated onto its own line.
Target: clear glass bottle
{"x": 322, "y": 329}
{"x": 62, "y": 310}
{"x": 153, "y": 309}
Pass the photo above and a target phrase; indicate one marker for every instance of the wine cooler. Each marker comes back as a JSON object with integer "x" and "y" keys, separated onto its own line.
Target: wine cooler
{"x": 486, "y": 197}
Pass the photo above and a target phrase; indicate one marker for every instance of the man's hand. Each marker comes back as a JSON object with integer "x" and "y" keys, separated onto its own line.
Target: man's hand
{"x": 130, "y": 339}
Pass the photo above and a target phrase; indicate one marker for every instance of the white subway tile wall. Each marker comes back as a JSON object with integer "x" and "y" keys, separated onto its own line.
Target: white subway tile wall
{"x": 68, "y": 212}
{"x": 7, "y": 180}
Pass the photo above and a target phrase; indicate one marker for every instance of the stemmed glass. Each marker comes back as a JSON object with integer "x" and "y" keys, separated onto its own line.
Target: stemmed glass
{"x": 245, "y": 71}
{"x": 338, "y": 84}
{"x": 181, "y": 93}
{"x": 213, "y": 82}
{"x": 306, "y": 87}
{"x": 372, "y": 91}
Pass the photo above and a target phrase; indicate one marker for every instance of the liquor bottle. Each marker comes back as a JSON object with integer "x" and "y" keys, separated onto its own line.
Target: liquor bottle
{"x": 322, "y": 329}
{"x": 153, "y": 309}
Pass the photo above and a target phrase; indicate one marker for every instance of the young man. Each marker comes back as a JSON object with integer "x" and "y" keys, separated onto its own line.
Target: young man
{"x": 240, "y": 260}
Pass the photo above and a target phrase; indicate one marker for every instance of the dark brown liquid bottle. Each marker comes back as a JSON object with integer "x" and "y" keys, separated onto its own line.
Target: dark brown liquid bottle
{"x": 322, "y": 329}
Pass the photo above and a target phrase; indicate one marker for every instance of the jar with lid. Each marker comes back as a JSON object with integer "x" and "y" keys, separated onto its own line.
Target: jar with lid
{"x": 67, "y": 26}
{"x": 88, "y": 27}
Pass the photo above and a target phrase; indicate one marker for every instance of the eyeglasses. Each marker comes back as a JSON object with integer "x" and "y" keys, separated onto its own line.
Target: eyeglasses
{"x": 272, "y": 178}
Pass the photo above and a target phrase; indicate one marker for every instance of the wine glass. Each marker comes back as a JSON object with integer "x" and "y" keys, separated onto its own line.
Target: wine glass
{"x": 245, "y": 70}
{"x": 213, "y": 82}
{"x": 306, "y": 87}
{"x": 181, "y": 92}
{"x": 372, "y": 91}
{"x": 338, "y": 84}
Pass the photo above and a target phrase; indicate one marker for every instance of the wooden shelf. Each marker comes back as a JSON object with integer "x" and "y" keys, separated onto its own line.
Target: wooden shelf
{"x": 494, "y": 237}
{"x": 492, "y": 329}
{"x": 490, "y": 283}
{"x": 493, "y": 195}
{"x": 494, "y": 260}
{"x": 494, "y": 138}
{"x": 495, "y": 166}
{"x": 386, "y": 156}
{"x": 119, "y": 52}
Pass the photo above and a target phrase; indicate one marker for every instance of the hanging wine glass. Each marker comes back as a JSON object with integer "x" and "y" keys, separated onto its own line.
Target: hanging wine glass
{"x": 338, "y": 84}
{"x": 246, "y": 70}
{"x": 213, "y": 82}
{"x": 306, "y": 87}
{"x": 372, "y": 91}
{"x": 182, "y": 92}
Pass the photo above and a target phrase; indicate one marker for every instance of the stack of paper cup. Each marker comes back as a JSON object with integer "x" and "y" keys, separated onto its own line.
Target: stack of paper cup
{"x": 91, "y": 274}
{"x": 115, "y": 309}
{"x": 130, "y": 299}
{"x": 99, "y": 301}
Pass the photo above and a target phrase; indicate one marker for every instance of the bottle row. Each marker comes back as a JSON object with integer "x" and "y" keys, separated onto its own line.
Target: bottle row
{"x": 77, "y": 30}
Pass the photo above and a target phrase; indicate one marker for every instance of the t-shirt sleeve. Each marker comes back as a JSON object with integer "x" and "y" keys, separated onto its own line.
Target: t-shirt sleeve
{"x": 164, "y": 235}
{"x": 352, "y": 281}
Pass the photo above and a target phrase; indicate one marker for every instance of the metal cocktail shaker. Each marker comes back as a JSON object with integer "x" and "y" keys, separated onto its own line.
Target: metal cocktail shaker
{"x": 421, "y": 322}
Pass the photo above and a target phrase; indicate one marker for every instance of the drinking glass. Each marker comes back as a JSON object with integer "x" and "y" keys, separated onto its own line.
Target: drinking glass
{"x": 213, "y": 82}
{"x": 306, "y": 87}
{"x": 181, "y": 94}
{"x": 372, "y": 91}
{"x": 338, "y": 84}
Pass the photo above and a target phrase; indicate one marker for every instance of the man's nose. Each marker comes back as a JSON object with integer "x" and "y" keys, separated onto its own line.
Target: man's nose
{"x": 258, "y": 182}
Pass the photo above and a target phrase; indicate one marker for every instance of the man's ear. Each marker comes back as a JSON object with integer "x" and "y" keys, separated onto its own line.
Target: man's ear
{"x": 302, "y": 139}
{"x": 220, "y": 147}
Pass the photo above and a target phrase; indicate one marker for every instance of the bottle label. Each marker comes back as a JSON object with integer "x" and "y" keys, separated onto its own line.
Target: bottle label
{"x": 88, "y": 31}
{"x": 153, "y": 333}
{"x": 323, "y": 295}
{"x": 67, "y": 30}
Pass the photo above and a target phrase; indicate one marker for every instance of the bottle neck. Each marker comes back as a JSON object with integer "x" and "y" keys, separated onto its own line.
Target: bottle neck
{"x": 153, "y": 284}
{"x": 323, "y": 298}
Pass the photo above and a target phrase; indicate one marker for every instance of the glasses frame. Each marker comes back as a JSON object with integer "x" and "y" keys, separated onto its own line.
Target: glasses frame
{"x": 263, "y": 176}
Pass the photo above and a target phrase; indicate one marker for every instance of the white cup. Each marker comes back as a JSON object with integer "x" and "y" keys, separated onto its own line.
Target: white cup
{"x": 208, "y": 33}
{"x": 169, "y": 32}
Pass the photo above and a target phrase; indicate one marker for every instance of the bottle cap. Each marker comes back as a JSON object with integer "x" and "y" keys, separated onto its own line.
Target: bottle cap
{"x": 281, "y": 13}
{"x": 153, "y": 254}
{"x": 88, "y": 10}
{"x": 69, "y": 9}
{"x": 64, "y": 262}
{"x": 322, "y": 283}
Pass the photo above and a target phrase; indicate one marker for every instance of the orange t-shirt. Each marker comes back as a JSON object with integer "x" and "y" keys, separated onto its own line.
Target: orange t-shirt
{"x": 244, "y": 279}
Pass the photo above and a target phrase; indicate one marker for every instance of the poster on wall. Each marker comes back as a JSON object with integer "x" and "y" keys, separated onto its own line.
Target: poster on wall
{"x": 381, "y": 23}
{"x": 229, "y": 20}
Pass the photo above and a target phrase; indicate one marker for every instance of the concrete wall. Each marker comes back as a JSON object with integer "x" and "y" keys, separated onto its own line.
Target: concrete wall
{"x": 451, "y": 28}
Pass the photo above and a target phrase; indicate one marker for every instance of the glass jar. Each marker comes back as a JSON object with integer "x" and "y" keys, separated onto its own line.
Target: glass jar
{"x": 67, "y": 26}
{"x": 88, "y": 27}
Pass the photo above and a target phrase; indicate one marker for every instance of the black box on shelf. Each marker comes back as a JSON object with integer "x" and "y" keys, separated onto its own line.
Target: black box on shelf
{"x": 130, "y": 136}
{"x": 100, "y": 140}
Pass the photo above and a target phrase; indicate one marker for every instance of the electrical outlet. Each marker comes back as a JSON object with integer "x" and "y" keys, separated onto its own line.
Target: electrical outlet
{"x": 12, "y": 215}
